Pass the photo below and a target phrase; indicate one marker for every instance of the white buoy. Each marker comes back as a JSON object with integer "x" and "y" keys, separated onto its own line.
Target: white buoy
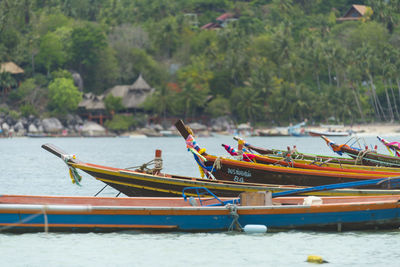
{"x": 254, "y": 228}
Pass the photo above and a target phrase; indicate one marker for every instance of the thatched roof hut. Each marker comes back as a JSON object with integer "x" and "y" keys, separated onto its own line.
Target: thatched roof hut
{"x": 92, "y": 102}
{"x": 10, "y": 67}
{"x": 132, "y": 95}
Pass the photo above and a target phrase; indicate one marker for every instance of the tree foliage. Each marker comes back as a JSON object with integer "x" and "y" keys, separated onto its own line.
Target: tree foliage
{"x": 120, "y": 123}
{"x": 113, "y": 103}
{"x": 277, "y": 60}
{"x": 63, "y": 96}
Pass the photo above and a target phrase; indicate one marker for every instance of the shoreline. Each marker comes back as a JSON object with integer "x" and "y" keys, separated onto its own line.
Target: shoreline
{"x": 360, "y": 130}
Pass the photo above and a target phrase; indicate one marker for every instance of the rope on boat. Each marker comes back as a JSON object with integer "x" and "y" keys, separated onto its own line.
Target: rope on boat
{"x": 298, "y": 155}
{"x": 143, "y": 166}
{"x": 288, "y": 158}
{"x": 28, "y": 219}
{"x": 361, "y": 155}
{"x": 157, "y": 162}
{"x": 73, "y": 173}
{"x": 235, "y": 225}
{"x": 340, "y": 163}
{"x": 217, "y": 164}
{"x": 321, "y": 162}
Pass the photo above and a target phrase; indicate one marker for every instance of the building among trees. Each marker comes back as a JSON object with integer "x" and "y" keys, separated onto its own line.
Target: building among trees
{"x": 92, "y": 107}
{"x": 132, "y": 97}
{"x": 356, "y": 12}
{"x": 9, "y": 76}
{"x": 220, "y": 22}
{"x": 11, "y": 67}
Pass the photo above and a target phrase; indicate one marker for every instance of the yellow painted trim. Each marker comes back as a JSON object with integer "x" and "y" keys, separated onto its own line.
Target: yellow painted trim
{"x": 144, "y": 187}
{"x": 217, "y": 187}
{"x": 342, "y": 166}
{"x": 171, "y": 181}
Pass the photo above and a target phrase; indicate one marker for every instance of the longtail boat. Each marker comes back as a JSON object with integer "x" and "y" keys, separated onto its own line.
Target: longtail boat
{"x": 308, "y": 164}
{"x": 294, "y": 154}
{"x": 231, "y": 169}
{"x": 50, "y": 214}
{"x": 319, "y": 133}
{"x": 364, "y": 156}
{"x": 154, "y": 183}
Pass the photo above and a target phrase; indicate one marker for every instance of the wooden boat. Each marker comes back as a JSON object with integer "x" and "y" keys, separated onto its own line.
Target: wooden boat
{"x": 294, "y": 154}
{"x": 51, "y": 213}
{"x": 316, "y": 165}
{"x": 154, "y": 183}
{"x": 240, "y": 171}
{"x": 325, "y": 133}
{"x": 235, "y": 170}
{"x": 364, "y": 156}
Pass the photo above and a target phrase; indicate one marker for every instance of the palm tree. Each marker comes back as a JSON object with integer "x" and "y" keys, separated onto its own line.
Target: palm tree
{"x": 248, "y": 104}
{"x": 6, "y": 82}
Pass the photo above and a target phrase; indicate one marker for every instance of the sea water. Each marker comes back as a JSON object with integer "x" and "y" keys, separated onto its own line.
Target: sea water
{"x": 27, "y": 169}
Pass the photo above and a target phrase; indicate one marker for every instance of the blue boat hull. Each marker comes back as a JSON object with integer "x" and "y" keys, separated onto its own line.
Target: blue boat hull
{"x": 195, "y": 219}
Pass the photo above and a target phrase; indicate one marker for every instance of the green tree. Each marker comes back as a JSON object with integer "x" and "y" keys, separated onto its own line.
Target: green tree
{"x": 120, "y": 123}
{"x": 246, "y": 104}
{"x": 6, "y": 81}
{"x": 52, "y": 54}
{"x": 87, "y": 44}
{"x": 194, "y": 82}
{"x": 162, "y": 102}
{"x": 64, "y": 96}
{"x": 140, "y": 62}
{"x": 113, "y": 104}
{"x": 165, "y": 36}
{"x": 219, "y": 106}
{"x": 23, "y": 92}
{"x": 104, "y": 74}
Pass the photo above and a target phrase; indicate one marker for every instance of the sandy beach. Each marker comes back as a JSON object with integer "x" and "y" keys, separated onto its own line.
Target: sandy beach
{"x": 372, "y": 129}
{"x": 383, "y": 129}
{"x": 376, "y": 129}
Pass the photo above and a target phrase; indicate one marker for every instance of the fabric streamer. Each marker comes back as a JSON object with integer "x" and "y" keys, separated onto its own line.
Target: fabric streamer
{"x": 337, "y": 148}
{"x": 75, "y": 177}
{"x": 193, "y": 147}
{"x": 197, "y": 154}
{"x": 391, "y": 146}
{"x": 246, "y": 156}
{"x": 191, "y": 143}
{"x": 73, "y": 173}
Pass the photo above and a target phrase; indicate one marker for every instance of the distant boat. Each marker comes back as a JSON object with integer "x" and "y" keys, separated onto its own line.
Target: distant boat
{"x": 364, "y": 156}
{"x": 168, "y": 133}
{"x": 298, "y": 130}
{"x": 319, "y": 133}
{"x": 137, "y": 136}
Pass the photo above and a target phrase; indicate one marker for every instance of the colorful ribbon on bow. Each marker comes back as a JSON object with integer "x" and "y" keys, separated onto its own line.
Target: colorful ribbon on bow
{"x": 73, "y": 173}
{"x": 391, "y": 146}
{"x": 246, "y": 156}
{"x": 193, "y": 147}
{"x": 335, "y": 147}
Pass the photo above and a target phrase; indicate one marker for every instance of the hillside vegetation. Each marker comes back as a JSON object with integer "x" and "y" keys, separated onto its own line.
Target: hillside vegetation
{"x": 278, "y": 61}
